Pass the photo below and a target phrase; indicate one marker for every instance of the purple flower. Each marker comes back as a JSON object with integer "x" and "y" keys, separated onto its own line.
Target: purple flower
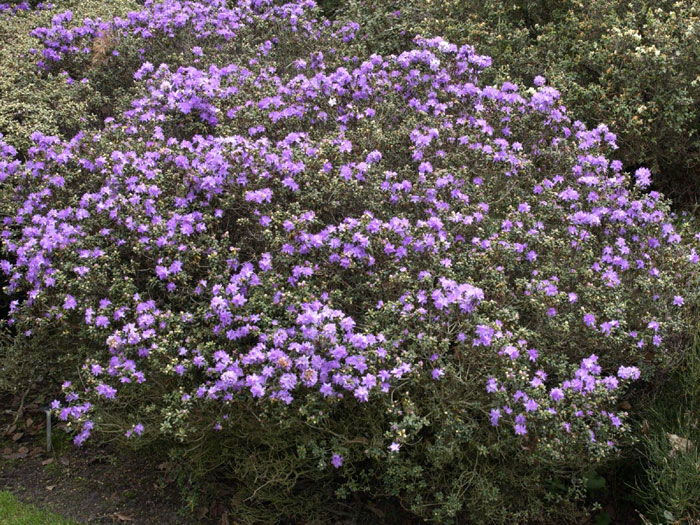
{"x": 643, "y": 177}
{"x": 628, "y": 372}
{"x": 557, "y": 394}
{"x": 492, "y": 385}
{"x": 70, "y": 303}
{"x": 137, "y": 429}
{"x": 337, "y": 461}
{"x": 362, "y": 394}
{"x": 511, "y": 352}
{"x": 105, "y": 391}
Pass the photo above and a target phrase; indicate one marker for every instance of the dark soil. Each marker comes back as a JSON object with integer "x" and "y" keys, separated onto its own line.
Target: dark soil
{"x": 96, "y": 484}
{"x": 88, "y": 485}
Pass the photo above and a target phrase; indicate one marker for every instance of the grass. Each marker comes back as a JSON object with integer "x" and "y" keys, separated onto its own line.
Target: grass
{"x": 669, "y": 487}
{"x": 14, "y": 512}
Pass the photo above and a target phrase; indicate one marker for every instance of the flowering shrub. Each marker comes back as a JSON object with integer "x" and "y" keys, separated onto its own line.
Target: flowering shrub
{"x": 632, "y": 65}
{"x": 330, "y": 275}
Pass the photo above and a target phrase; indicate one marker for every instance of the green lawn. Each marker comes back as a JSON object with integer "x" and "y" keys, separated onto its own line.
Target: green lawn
{"x": 14, "y": 512}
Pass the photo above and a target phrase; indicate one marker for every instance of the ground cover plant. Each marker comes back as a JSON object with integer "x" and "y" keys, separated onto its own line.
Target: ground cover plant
{"x": 315, "y": 277}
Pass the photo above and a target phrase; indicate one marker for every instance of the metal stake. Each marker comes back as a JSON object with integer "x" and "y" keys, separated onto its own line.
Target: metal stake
{"x": 48, "y": 430}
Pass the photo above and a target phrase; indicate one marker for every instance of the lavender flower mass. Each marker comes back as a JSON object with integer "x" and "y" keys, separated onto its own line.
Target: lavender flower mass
{"x": 277, "y": 223}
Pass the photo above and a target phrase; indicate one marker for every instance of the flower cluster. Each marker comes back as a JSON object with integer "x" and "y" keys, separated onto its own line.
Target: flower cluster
{"x": 13, "y": 9}
{"x": 201, "y": 20}
{"x": 562, "y": 413}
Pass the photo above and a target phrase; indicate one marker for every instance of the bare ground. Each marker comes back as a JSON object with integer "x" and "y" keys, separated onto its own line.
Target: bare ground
{"x": 87, "y": 485}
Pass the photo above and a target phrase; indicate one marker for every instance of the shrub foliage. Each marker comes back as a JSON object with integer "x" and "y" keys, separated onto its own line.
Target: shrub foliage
{"x": 316, "y": 275}
{"x": 632, "y": 65}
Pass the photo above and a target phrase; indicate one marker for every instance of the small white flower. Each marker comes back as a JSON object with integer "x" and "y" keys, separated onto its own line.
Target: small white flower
{"x": 332, "y": 101}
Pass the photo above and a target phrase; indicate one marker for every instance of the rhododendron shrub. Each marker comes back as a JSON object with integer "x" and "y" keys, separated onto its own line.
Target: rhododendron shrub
{"x": 341, "y": 275}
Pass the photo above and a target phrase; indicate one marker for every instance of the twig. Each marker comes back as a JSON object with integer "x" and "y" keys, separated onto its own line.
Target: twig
{"x": 20, "y": 410}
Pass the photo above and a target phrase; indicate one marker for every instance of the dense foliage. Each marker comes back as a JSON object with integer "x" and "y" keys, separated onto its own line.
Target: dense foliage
{"x": 316, "y": 275}
{"x": 632, "y": 65}
{"x": 34, "y": 101}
